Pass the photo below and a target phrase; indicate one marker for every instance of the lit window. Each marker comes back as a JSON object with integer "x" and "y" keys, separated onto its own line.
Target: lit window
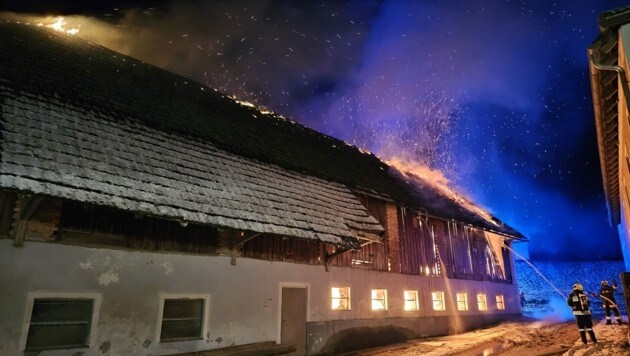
{"x": 481, "y": 302}
{"x": 411, "y": 300}
{"x": 438, "y": 300}
{"x": 59, "y": 323}
{"x": 462, "y": 301}
{"x": 379, "y": 299}
{"x": 183, "y": 319}
{"x": 500, "y": 302}
{"x": 340, "y": 298}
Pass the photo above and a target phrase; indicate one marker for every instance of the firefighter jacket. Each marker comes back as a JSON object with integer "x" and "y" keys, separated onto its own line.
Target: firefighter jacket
{"x": 608, "y": 292}
{"x": 578, "y": 301}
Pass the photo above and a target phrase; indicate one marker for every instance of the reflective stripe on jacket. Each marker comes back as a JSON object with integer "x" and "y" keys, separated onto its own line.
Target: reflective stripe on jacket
{"x": 578, "y": 301}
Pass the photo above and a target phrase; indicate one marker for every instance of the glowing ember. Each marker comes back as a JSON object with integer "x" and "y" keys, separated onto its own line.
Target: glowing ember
{"x": 245, "y": 103}
{"x": 59, "y": 24}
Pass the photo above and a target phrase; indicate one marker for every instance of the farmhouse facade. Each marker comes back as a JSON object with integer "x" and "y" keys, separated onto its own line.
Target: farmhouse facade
{"x": 144, "y": 213}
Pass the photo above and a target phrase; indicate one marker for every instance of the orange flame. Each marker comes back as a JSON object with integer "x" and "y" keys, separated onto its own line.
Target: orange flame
{"x": 440, "y": 182}
{"x": 59, "y": 24}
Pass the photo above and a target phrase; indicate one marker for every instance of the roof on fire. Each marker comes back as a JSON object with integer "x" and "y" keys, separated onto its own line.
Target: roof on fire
{"x": 109, "y": 129}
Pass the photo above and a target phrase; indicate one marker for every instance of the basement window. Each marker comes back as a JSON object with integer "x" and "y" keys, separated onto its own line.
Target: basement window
{"x": 500, "y": 302}
{"x": 340, "y": 298}
{"x": 379, "y": 299}
{"x": 462, "y": 301}
{"x": 59, "y": 323}
{"x": 183, "y": 318}
{"x": 411, "y": 300}
{"x": 438, "y": 300}
{"x": 482, "y": 304}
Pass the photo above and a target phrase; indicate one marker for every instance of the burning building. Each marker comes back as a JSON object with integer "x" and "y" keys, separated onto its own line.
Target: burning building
{"x": 144, "y": 213}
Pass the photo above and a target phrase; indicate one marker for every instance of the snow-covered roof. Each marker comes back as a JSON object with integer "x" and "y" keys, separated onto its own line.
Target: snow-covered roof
{"x": 58, "y": 150}
{"x": 116, "y": 131}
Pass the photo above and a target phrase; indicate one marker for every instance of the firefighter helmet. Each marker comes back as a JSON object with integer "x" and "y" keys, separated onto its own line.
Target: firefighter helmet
{"x": 578, "y": 286}
{"x": 604, "y": 283}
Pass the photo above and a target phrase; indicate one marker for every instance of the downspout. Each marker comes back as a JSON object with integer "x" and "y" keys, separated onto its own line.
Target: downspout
{"x": 614, "y": 68}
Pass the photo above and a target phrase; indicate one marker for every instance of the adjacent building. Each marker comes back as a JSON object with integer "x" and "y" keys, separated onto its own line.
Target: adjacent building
{"x": 608, "y": 65}
{"x": 144, "y": 213}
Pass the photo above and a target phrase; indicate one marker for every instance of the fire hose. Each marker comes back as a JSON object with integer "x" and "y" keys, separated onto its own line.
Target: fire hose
{"x": 610, "y": 301}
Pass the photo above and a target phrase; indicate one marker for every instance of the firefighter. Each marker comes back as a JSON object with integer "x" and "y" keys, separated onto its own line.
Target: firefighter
{"x": 607, "y": 292}
{"x": 578, "y": 301}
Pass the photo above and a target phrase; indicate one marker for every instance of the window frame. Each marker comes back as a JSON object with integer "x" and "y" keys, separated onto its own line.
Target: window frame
{"x": 501, "y": 303}
{"x": 414, "y": 300}
{"x": 482, "y": 300}
{"x": 348, "y": 297}
{"x": 204, "y": 319}
{"x": 441, "y": 299}
{"x": 463, "y": 302}
{"x": 93, "y": 326}
{"x": 379, "y": 300}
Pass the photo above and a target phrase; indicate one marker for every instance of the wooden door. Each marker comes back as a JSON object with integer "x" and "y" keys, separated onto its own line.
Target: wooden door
{"x": 293, "y": 318}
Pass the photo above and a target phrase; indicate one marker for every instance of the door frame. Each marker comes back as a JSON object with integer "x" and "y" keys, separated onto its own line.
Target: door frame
{"x": 281, "y": 285}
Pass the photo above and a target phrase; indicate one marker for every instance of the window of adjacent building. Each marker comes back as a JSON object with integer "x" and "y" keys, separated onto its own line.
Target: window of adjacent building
{"x": 340, "y": 298}
{"x": 411, "y": 300}
{"x": 482, "y": 304}
{"x": 438, "y": 300}
{"x": 59, "y": 323}
{"x": 500, "y": 302}
{"x": 462, "y": 301}
{"x": 379, "y": 299}
{"x": 183, "y": 319}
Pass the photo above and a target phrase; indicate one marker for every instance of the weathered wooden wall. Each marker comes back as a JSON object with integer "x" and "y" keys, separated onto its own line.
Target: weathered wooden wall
{"x": 7, "y": 207}
{"x": 418, "y": 249}
{"x": 278, "y": 248}
{"x": 374, "y": 255}
{"x": 85, "y": 224}
{"x": 413, "y": 243}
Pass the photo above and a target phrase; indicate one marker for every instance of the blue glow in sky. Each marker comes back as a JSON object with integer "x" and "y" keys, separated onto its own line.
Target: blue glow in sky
{"x": 495, "y": 94}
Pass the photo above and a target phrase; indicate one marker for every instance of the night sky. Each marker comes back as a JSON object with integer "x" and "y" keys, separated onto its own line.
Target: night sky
{"x": 493, "y": 94}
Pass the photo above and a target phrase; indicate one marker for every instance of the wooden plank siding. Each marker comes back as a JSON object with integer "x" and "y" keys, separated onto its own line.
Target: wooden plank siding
{"x": 413, "y": 243}
{"x": 418, "y": 249}
{"x": 87, "y": 224}
{"x": 7, "y": 207}
{"x": 374, "y": 255}
{"x": 435, "y": 247}
{"x": 278, "y": 248}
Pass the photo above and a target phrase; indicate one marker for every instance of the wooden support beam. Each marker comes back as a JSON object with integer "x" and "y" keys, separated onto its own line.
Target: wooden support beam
{"x": 27, "y": 205}
{"x": 233, "y": 256}
{"x": 239, "y": 242}
{"x": 244, "y": 239}
{"x": 340, "y": 251}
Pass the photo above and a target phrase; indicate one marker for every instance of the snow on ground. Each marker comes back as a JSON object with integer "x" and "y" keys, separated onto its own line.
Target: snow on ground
{"x": 543, "y": 299}
{"x": 547, "y": 328}
{"x": 523, "y": 337}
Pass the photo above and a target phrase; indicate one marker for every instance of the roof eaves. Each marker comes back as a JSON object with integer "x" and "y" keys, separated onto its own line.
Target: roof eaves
{"x": 603, "y": 59}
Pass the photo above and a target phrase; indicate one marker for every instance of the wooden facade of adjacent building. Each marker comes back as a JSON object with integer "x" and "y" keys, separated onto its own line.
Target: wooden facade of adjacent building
{"x": 609, "y": 70}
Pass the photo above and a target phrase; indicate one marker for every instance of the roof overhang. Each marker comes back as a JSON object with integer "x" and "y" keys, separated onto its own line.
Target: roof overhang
{"x": 606, "y": 77}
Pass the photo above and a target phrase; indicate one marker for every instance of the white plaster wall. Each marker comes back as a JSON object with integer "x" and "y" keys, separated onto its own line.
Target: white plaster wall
{"x": 244, "y": 299}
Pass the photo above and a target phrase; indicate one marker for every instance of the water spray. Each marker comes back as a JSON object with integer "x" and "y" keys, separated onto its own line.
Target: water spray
{"x": 535, "y": 269}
